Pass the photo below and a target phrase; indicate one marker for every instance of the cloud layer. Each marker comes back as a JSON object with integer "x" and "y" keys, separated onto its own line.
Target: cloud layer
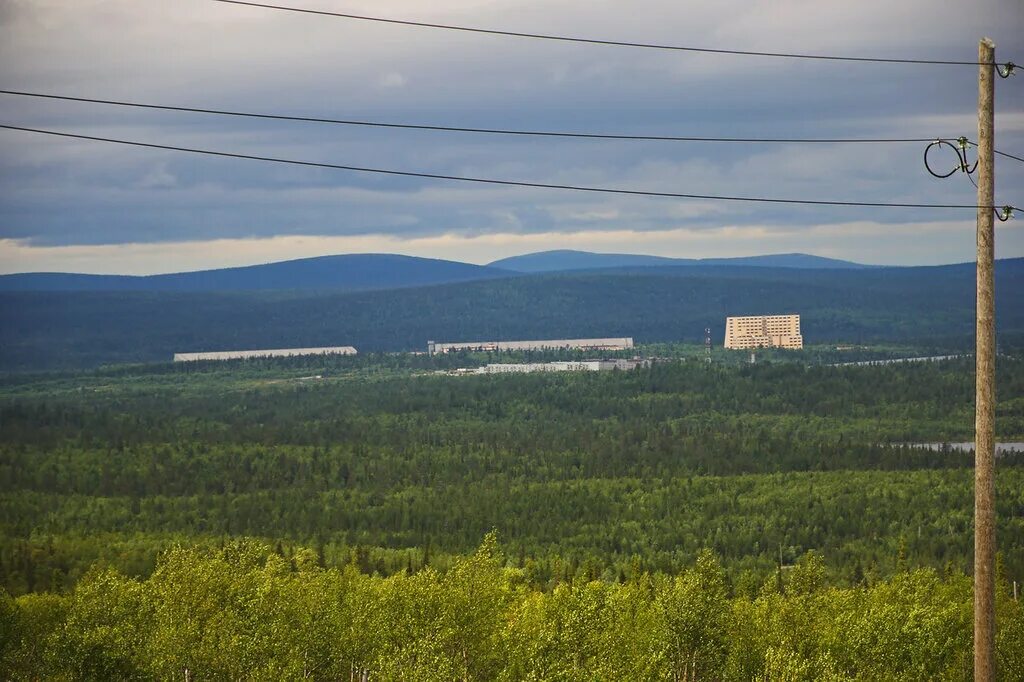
{"x": 80, "y": 195}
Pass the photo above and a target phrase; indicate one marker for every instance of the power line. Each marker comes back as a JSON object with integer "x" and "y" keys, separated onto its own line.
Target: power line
{"x": 461, "y": 129}
{"x": 960, "y": 151}
{"x": 489, "y": 181}
{"x": 1009, "y": 156}
{"x": 490, "y": 131}
{"x": 964, "y": 140}
{"x": 594, "y": 41}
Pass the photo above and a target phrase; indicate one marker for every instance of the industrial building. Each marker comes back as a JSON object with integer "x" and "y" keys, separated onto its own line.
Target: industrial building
{"x": 274, "y": 353}
{"x": 761, "y": 331}
{"x": 573, "y": 366}
{"x": 552, "y": 344}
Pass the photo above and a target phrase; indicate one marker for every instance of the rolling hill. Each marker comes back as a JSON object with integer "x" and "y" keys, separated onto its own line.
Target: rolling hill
{"x": 557, "y": 261}
{"x": 345, "y": 272}
{"x": 59, "y": 330}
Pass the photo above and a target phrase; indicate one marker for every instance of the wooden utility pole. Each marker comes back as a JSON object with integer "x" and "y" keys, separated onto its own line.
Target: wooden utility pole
{"x": 985, "y": 398}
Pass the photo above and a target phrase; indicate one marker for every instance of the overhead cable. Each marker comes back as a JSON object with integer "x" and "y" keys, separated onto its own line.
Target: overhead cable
{"x": 994, "y": 151}
{"x": 462, "y": 129}
{"x": 489, "y": 181}
{"x": 491, "y": 131}
{"x": 1008, "y": 66}
{"x": 959, "y": 150}
{"x": 1009, "y": 156}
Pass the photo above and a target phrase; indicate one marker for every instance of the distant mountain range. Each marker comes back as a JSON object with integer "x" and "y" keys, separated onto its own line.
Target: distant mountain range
{"x": 558, "y": 261}
{"x": 361, "y": 272}
{"x": 929, "y": 306}
{"x": 352, "y": 272}
{"x": 381, "y": 302}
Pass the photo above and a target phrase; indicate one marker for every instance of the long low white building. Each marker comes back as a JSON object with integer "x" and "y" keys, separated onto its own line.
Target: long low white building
{"x": 623, "y": 343}
{"x": 570, "y": 366}
{"x": 271, "y": 353}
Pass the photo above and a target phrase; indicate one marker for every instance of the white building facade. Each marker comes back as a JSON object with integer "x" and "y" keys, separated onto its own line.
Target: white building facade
{"x": 622, "y": 343}
{"x": 763, "y": 331}
{"x": 271, "y": 353}
{"x": 572, "y": 366}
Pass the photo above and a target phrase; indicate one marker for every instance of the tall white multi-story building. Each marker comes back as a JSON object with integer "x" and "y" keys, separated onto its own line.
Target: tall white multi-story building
{"x": 759, "y": 331}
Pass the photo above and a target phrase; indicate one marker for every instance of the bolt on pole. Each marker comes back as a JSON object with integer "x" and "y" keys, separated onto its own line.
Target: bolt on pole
{"x": 984, "y": 413}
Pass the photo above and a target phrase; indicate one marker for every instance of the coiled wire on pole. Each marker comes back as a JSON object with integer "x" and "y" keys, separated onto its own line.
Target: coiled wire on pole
{"x": 963, "y": 165}
{"x": 960, "y": 149}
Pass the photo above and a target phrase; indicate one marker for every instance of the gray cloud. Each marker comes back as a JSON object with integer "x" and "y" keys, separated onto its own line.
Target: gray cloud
{"x": 55, "y": 192}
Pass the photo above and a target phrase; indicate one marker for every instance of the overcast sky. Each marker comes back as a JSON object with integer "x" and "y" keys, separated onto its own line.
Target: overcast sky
{"x": 73, "y": 205}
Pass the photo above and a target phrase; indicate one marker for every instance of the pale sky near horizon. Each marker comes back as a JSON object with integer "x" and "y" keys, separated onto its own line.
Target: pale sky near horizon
{"x": 81, "y": 206}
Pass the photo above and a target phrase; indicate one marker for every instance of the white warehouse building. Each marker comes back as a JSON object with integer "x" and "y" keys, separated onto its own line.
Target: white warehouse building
{"x": 271, "y": 353}
{"x": 622, "y": 343}
{"x": 573, "y": 366}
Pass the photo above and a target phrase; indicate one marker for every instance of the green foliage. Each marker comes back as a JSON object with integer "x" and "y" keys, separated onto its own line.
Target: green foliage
{"x": 8, "y": 629}
{"x": 243, "y": 612}
{"x": 105, "y": 630}
{"x": 34, "y": 619}
{"x": 579, "y": 472}
{"x": 680, "y": 522}
{"x": 696, "y": 614}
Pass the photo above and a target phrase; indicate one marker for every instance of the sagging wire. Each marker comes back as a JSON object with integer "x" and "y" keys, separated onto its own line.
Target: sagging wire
{"x": 964, "y": 166}
{"x": 597, "y": 41}
{"x": 960, "y": 149}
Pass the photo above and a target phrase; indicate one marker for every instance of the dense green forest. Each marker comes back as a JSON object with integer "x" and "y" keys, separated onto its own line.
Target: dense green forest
{"x": 933, "y": 305}
{"x": 582, "y": 473}
{"x": 322, "y": 517}
{"x": 243, "y": 611}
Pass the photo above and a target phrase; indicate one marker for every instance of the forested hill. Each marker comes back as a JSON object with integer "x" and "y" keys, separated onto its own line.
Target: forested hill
{"x": 567, "y": 259}
{"x": 344, "y": 272}
{"x": 48, "y": 330}
{"x": 354, "y": 272}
